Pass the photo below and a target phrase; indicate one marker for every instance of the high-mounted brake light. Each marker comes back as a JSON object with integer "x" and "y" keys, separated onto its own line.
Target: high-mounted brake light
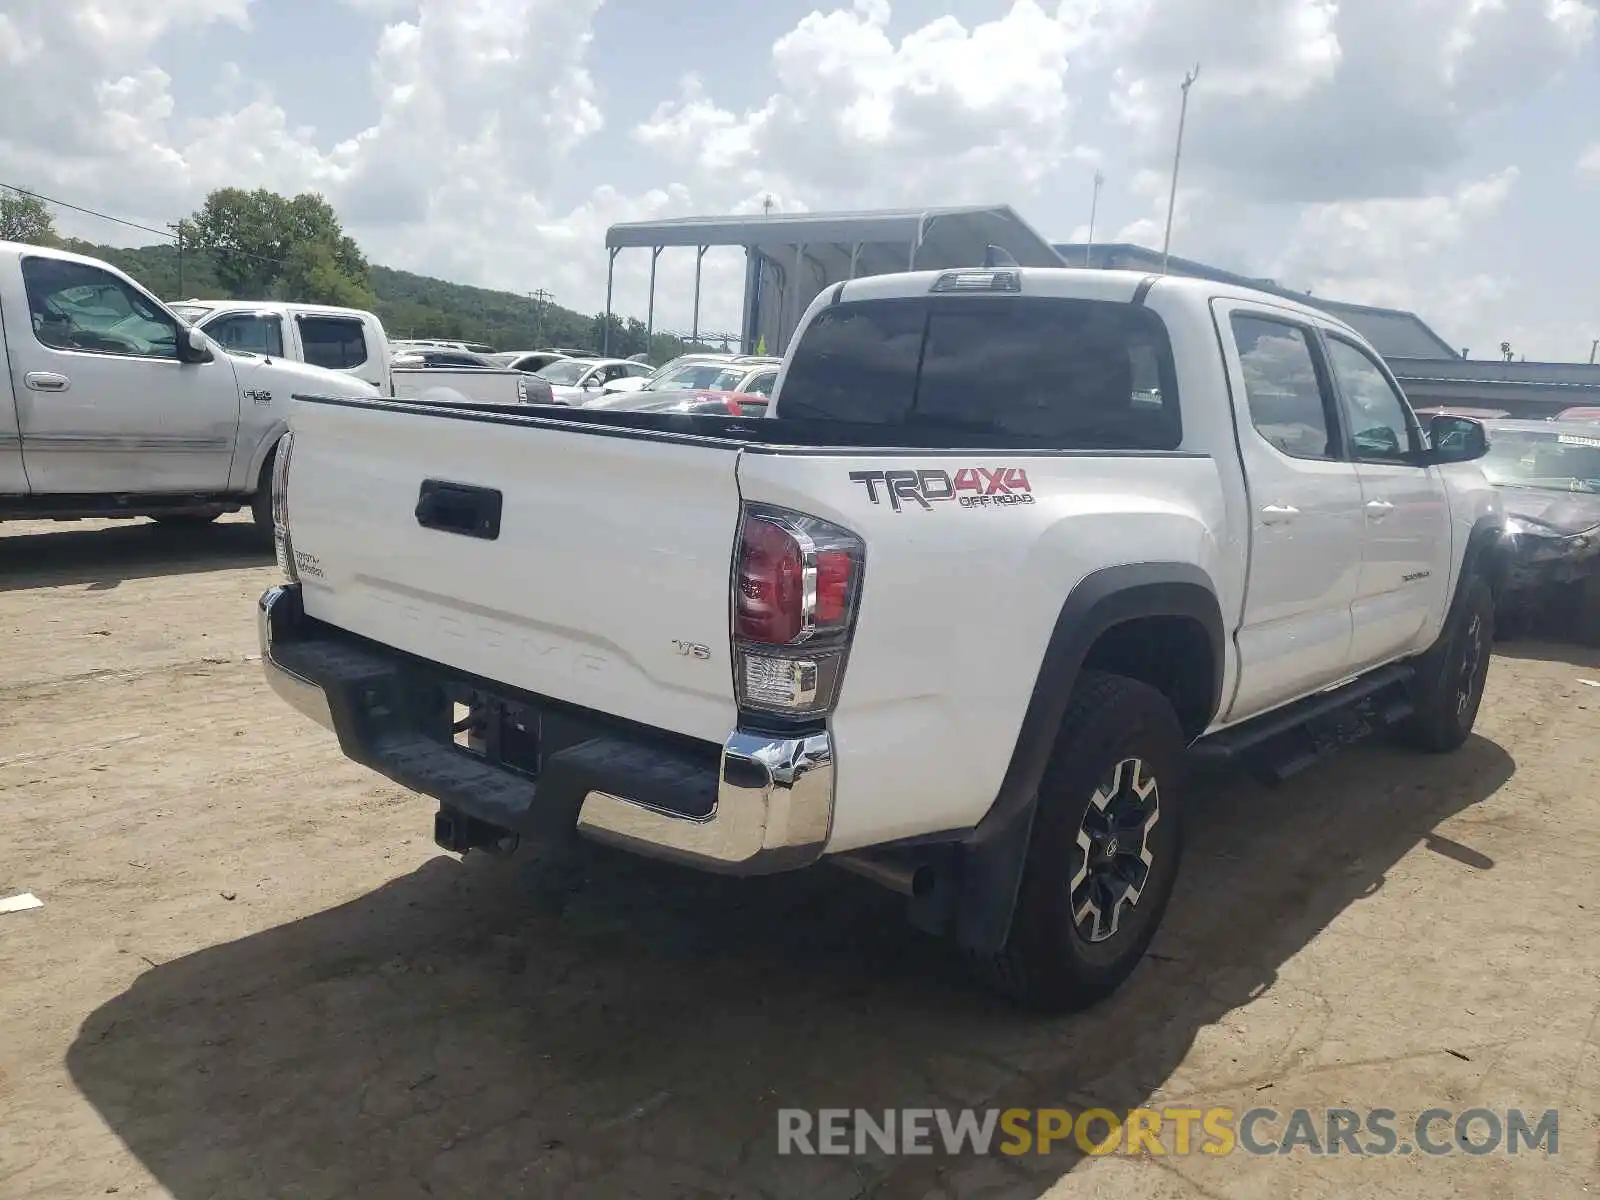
{"x": 796, "y": 588}
{"x": 987, "y": 280}
{"x": 282, "y": 545}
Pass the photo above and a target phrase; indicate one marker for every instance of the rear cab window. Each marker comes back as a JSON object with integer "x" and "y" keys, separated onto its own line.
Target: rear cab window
{"x": 1029, "y": 371}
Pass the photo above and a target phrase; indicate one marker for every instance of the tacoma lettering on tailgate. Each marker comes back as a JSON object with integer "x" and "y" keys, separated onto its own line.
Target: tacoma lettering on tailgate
{"x": 970, "y": 487}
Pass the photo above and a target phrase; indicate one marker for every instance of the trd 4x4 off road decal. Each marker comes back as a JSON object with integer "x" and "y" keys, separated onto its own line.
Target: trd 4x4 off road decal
{"x": 971, "y": 487}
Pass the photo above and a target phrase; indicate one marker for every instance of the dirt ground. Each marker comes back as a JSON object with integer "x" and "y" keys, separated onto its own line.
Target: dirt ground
{"x": 255, "y": 976}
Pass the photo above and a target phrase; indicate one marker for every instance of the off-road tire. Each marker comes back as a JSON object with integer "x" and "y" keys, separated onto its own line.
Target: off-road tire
{"x": 1048, "y": 962}
{"x": 1447, "y": 688}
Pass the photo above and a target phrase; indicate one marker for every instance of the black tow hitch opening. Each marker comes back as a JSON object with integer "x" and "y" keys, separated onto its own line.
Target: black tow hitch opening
{"x": 458, "y": 833}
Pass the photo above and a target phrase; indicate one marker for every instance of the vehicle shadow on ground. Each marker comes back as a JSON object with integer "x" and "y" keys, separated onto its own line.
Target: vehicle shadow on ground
{"x": 630, "y": 1029}
{"x": 138, "y": 549}
{"x": 1550, "y": 650}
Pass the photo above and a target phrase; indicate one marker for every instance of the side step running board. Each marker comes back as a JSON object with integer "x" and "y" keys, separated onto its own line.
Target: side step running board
{"x": 1285, "y": 742}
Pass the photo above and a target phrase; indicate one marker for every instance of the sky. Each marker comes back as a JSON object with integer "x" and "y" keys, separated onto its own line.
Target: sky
{"x": 1438, "y": 155}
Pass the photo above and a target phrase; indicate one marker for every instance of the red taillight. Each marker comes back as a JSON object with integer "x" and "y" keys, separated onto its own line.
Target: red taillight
{"x": 798, "y": 584}
{"x": 834, "y": 572}
{"x": 771, "y": 601}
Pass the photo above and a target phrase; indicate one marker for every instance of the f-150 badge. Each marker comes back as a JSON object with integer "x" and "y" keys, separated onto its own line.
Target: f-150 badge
{"x": 259, "y": 396}
{"x": 971, "y": 487}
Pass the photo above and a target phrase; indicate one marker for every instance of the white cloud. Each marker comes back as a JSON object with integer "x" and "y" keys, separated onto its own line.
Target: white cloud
{"x": 860, "y": 118}
{"x": 1589, "y": 161}
{"x": 1403, "y": 253}
{"x": 1324, "y": 143}
{"x": 1308, "y": 100}
{"x": 478, "y": 102}
{"x": 1355, "y": 238}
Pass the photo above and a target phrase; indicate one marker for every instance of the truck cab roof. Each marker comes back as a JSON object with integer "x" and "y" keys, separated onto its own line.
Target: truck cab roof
{"x": 1069, "y": 283}
{"x": 281, "y": 307}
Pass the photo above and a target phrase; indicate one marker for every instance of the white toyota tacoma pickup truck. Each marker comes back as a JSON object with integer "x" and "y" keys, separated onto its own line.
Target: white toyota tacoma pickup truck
{"x": 1011, "y": 544}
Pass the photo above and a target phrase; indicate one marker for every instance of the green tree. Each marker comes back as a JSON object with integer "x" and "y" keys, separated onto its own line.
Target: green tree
{"x": 244, "y": 233}
{"x": 314, "y": 274}
{"x": 262, "y": 243}
{"x": 24, "y": 218}
{"x": 311, "y": 220}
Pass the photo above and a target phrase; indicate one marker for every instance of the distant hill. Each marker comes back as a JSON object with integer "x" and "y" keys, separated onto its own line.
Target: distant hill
{"x": 409, "y": 305}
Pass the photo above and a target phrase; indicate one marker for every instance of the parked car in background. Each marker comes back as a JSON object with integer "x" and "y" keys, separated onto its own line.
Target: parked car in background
{"x": 419, "y": 370}
{"x": 700, "y": 403}
{"x": 1451, "y": 410}
{"x": 530, "y": 361}
{"x": 435, "y": 344}
{"x": 573, "y": 381}
{"x": 350, "y": 340}
{"x": 754, "y": 376}
{"x": 1549, "y": 480}
{"x": 567, "y": 352}
{"x": 112, "y": 405}
{"x": 670, "y": 368}
{"x": 353, "y": 342}
{"x": 431, "y": 356}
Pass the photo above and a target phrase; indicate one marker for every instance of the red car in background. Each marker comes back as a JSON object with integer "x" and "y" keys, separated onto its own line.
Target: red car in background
{"x": 705, "y": 402}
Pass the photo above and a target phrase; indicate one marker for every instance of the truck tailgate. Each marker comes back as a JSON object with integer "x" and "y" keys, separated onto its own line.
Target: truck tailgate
{"x": 606, "y": 586}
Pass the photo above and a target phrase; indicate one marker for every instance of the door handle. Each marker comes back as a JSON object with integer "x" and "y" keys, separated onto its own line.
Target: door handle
{"x": 46, "y": 381}
{"x": 460, "y": 508}
{"x": 1278, "y": 514}
{"x": 1377, "y": 510}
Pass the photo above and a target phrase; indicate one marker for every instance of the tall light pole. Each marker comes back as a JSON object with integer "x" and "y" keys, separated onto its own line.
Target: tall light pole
{"x": 540, "y": 298}
{"x": 177, "y": 232}
{"x": 1094, "y": 206}
{"x": 1177, "y": 157}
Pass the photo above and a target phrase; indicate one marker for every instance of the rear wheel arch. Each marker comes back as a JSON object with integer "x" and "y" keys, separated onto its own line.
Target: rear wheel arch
{"x": 261, "y": 456}
{"x": 1109, "y": 623}
{"x": 261, "y": 498}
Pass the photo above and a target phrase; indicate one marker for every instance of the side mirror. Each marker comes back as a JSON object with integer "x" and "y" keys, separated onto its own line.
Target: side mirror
{"x": 193, "y": 347}
{"x": 1456, "y": 440}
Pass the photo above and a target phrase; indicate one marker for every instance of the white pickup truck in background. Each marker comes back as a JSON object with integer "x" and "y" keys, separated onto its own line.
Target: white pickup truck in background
{"x": 111, "y": 406}
{"x": 1011, "y": 543}
{"x": 353, "y": 342}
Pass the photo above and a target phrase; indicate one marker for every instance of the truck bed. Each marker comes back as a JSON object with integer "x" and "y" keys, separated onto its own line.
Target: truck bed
{"x": 770, "y": 433}
{"x": 593, "y": 562}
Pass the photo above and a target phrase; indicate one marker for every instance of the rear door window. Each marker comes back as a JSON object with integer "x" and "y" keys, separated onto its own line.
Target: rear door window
{"x": 1067, "y": 374}
{"x": 338, "y": 343}
{"x": 1288, "y": 403}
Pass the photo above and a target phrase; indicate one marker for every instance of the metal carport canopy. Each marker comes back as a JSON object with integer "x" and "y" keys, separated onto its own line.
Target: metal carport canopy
{"x": 835, "y": 246}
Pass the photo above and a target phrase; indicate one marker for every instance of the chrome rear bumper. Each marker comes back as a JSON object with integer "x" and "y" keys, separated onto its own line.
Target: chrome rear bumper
{"x": 774, "y": 795}
{"x": 774, "y": 806}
